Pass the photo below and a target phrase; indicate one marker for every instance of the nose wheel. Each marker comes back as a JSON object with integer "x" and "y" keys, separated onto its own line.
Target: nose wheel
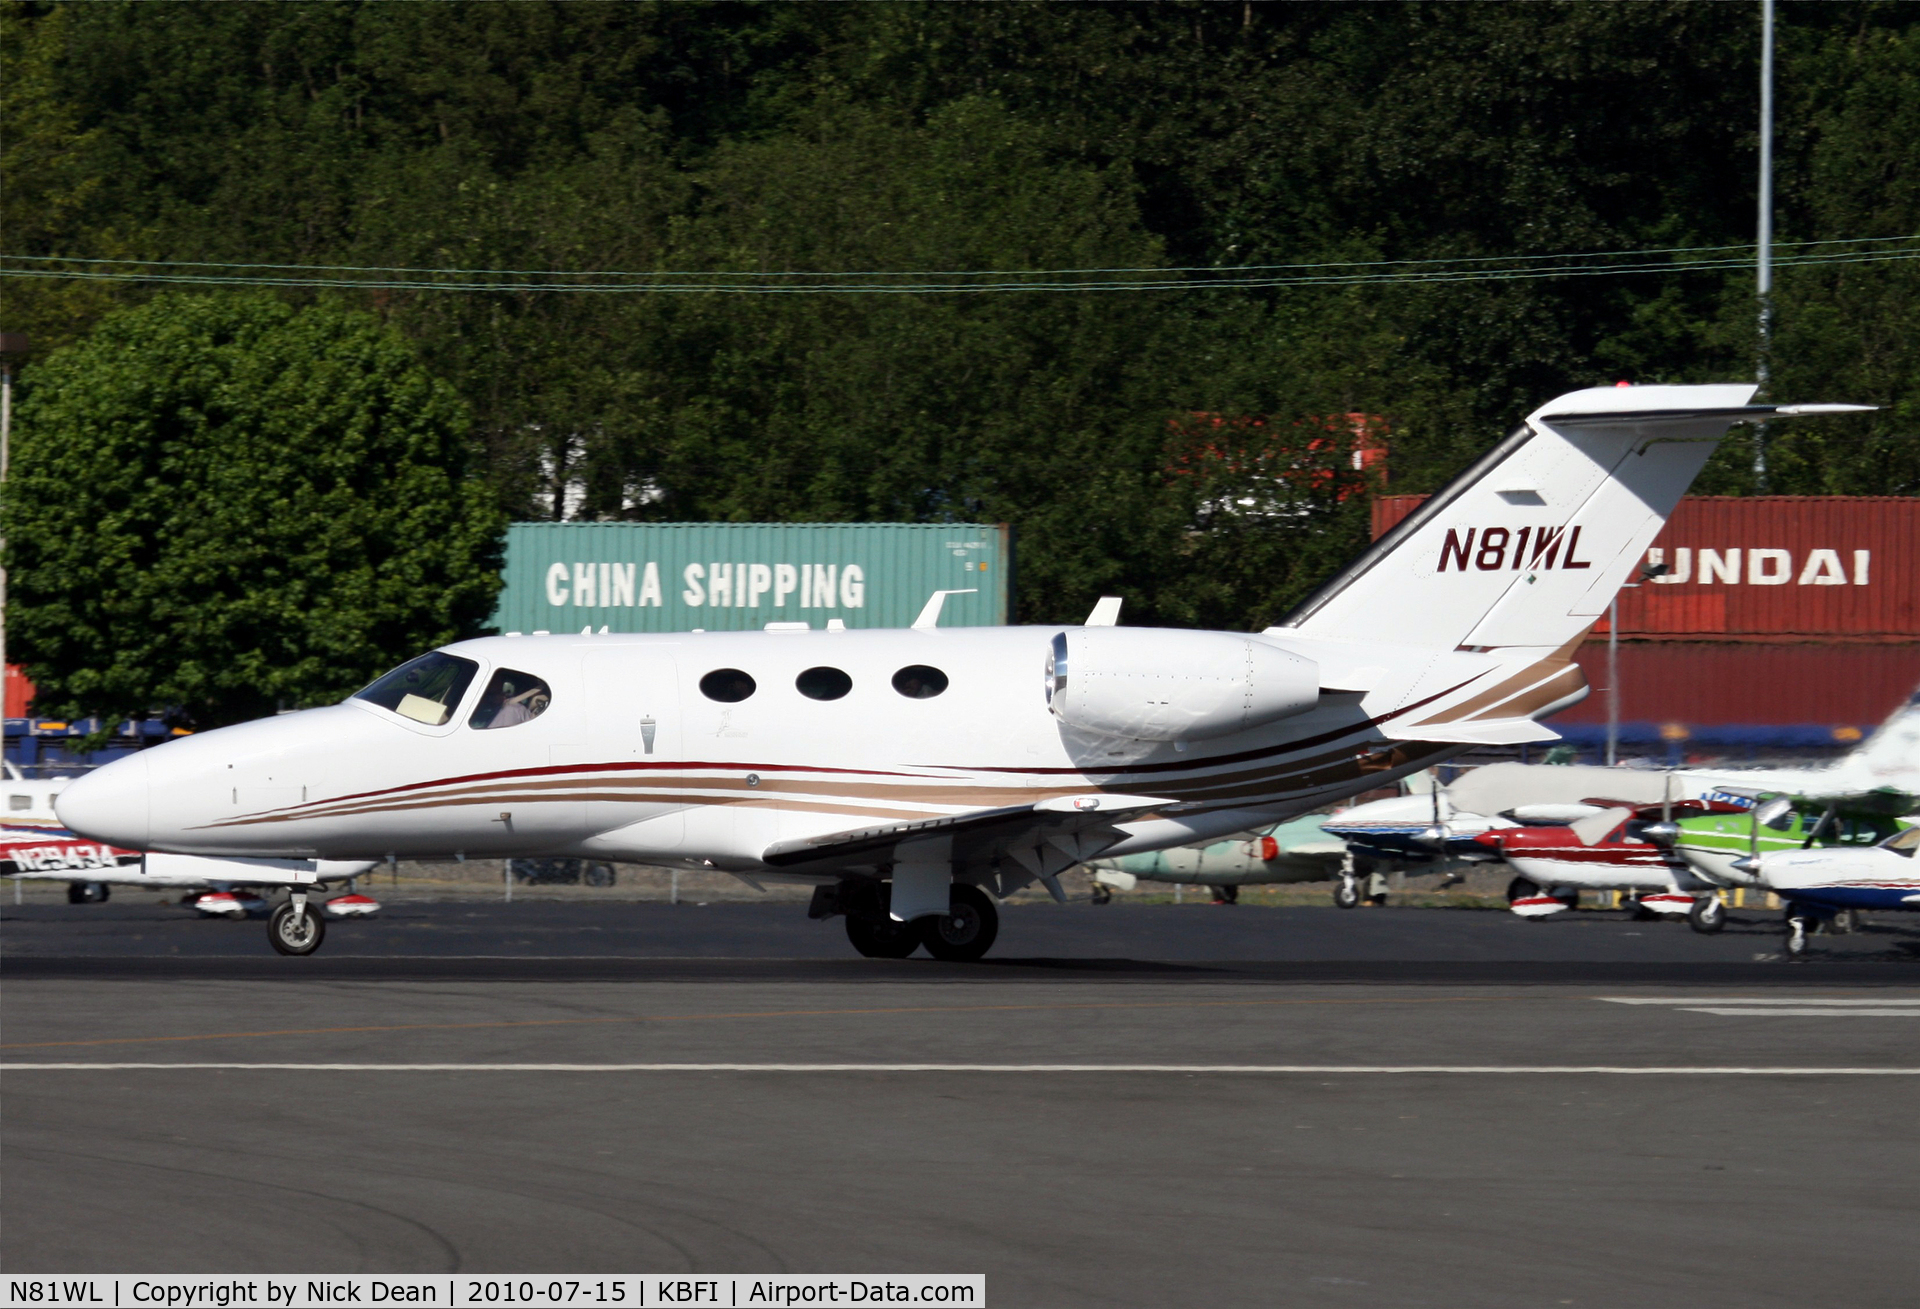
{"x": 295, "y": 928}
{"x": 1709, "y": 913}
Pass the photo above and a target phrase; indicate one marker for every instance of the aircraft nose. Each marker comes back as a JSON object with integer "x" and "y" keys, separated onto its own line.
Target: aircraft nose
{"x": 110, "y": 804}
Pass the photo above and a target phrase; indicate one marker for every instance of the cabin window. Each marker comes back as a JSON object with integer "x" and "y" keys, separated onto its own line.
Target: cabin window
{"x": 727, "y": 685}
{"x": 823, "y": 683}
{"x": 17, "y": 802}
{"x": 919, "y": 682}
{"x": 427, "y": 689}
{"x": 511, "y": 698}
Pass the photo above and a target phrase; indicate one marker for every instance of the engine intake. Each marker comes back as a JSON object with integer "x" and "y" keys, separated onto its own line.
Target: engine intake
{"x": 1157, "y": 684}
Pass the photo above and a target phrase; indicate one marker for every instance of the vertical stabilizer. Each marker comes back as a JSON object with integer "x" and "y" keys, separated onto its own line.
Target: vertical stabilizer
{"x": 1528, "y": 546}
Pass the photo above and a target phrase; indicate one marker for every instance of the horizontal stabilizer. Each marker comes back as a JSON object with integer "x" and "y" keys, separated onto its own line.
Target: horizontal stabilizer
{"x": 1730, "y": 413}
{"x": 1486, "y": 731}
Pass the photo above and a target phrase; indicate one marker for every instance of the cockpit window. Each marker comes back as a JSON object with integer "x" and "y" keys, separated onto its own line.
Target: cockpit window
{"x": 427, "y": 689}
{"x": 510, "y": 699}
{"x": 1904, "y": 842}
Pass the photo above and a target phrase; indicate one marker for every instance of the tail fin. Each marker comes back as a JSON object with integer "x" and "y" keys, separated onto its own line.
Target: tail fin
{"x": 1528, "y": 546}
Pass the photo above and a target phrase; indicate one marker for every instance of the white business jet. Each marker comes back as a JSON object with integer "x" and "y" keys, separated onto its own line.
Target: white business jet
{"x": 907, "y": 773}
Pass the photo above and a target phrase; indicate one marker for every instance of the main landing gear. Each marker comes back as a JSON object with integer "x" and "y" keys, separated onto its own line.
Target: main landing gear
{"x": 961, "y": 935}
{"x": 295, "y": 927}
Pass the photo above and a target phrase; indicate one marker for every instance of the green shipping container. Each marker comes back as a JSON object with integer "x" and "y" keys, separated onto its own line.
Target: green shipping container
{"x": 676, "y": 577}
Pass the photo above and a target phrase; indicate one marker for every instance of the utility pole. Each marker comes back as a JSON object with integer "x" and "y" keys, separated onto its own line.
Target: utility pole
{"x": 1613, "y": 679}
{"x": 11, "y": 345}
{"x": 1764, "y": 271}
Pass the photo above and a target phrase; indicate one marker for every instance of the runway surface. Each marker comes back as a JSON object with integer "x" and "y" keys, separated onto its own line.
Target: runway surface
{"x": 1059, "y": 1123}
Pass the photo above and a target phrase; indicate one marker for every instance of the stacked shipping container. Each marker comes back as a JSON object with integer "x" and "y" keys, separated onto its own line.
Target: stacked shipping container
{"x": 1783, "y": 622}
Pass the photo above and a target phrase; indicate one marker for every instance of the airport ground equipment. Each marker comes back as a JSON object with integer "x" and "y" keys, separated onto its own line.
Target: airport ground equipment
{"x": 929, "y": 759}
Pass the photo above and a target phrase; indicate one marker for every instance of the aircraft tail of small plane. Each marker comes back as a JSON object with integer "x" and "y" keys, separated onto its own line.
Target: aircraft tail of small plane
{"x": 1529, "y": 545}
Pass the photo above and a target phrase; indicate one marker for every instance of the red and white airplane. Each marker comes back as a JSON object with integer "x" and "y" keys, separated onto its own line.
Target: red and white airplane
{"x": 913, "y": 775}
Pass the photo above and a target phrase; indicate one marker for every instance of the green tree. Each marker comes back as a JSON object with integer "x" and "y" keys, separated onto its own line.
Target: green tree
{"x": 224, "y": 506}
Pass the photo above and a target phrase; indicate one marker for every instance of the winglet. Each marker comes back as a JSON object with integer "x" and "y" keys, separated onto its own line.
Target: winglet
{"x": 930, "y": 616}
{"x": 1106, "y": 612}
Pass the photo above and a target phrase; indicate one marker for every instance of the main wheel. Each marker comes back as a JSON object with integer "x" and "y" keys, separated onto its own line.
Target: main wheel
{"x": 1708, "y": 915}
{"x": 1102, "y": 893}
{"x": 1346, "y": 893}
{"x": 881, "y": 937}
{"x": 967, "y": 932}
{"x": 1228, "y": 894}
{"x": 296, "y": 931}
{"x": 598, "y": 875}
{"x": 1521, "y": 888}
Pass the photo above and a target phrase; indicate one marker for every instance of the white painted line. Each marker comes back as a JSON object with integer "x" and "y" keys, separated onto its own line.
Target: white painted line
{"x": 1775, "y": 1001}
{"x": 1317, "y": 1069}
{"x": 1757, "y": 1012}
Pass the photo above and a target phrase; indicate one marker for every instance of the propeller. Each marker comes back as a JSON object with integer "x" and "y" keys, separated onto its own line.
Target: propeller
{"x": 1666, "y": 831}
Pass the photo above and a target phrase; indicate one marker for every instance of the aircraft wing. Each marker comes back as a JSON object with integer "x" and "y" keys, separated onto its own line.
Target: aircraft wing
{"x": 1028, "y": 842}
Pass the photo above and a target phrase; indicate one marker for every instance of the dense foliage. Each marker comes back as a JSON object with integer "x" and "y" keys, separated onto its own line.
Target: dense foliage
{"x": 971, "y": 137}
{"x": 228, "y": 505}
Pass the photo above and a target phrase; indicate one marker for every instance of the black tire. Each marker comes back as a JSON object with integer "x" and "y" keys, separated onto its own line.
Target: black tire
{"x": 77, "y": 893}
{"x": 879, "y": 937}
{"x": 599, "y": 875}
{"x": 1569, "y": 897}
{"x": 1228, "y": 894}
{"x": 968, "y": 932}
{"x": 1346, "y": 893}
{"x": 1708, "y": 915}
{"x": 1521, "y": 888}
{"x": 1102, "y": 893}
{"x": 290, "y": 935}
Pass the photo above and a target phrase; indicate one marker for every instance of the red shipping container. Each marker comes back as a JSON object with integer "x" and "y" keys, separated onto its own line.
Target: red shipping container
{"x": 1826, "y": 693}
{"x": 1828, "y": 568}
{"x": 19, "y": 692}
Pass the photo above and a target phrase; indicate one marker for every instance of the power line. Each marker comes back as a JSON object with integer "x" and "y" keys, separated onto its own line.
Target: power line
{"x": 1747, "y": 247}
{"x": 1406, "y": 272}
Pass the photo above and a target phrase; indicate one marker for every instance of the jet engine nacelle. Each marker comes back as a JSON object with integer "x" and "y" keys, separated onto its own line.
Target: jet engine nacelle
{"x": 1154, "y": 684}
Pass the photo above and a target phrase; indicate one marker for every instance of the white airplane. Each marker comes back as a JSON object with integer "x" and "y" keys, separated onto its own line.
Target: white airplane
{"x": 903, "y": 771}
{"x": 1819, "y": 883}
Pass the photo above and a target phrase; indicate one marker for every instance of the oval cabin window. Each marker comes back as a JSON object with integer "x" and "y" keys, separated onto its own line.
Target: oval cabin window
{"x": 823, "y": 683}
{"x": 727, "y": 685}
{"x": 919, "y": 682}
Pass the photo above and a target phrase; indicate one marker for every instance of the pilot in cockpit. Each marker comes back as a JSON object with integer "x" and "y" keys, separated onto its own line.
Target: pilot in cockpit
{"x": 511, "y": 698}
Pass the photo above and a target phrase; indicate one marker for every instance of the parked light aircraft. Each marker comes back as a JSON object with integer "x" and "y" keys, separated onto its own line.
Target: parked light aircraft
{"x": 35, "y": 848}
{"x": 1296, "y": 851}
{"x": 903, "y": 771}
{"x": 1817, "y": 884}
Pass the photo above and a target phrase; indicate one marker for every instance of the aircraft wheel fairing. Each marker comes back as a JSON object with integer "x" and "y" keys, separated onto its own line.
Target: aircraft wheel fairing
{"x": 882, "y": 938}
{"x": 966, "y": 933}
{"x": 1521, "y": 888}
{"x": 1708, "y": 915}
{"x": 296, "y": 930}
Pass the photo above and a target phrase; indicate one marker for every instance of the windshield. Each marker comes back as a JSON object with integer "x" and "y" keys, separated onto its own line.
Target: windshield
{"x": 1905, "y": 842}
{"x": 427, "y": 689}
{"x": 510, "y": 699}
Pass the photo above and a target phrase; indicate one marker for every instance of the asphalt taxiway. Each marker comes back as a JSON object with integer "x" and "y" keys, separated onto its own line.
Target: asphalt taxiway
{"x": 1162, "y": 1106}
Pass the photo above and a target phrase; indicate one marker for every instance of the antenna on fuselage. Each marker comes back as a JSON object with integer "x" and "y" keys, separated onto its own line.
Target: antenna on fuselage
{"x": 930, "y": 616}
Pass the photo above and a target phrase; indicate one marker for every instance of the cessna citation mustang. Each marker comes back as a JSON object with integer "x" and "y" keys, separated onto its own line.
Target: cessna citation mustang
{"x": 907, "y": 773}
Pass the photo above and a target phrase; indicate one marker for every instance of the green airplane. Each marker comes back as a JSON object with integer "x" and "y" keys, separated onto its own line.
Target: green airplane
{"x": 1296, "y": 851}
{"x": 1740, "y": 826}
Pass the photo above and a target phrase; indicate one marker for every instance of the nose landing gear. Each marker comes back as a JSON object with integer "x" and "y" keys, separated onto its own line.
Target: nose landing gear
{"x": 295, "y": 928}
